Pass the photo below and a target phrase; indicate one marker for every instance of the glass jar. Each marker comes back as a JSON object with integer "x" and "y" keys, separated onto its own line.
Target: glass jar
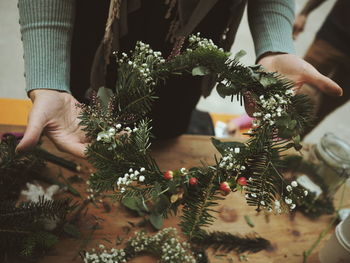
{"x": 331, "y": 157}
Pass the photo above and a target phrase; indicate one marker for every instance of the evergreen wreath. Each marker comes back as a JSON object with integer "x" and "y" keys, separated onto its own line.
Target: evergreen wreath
{"x": 120, "y": 139}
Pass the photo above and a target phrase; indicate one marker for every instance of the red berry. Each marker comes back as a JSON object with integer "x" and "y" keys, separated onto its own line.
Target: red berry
{"x": 225, "y": 187}
{"x": 242, "y": 181}
{"x": 193, "y": 181}
{"x": 168, "y": 175}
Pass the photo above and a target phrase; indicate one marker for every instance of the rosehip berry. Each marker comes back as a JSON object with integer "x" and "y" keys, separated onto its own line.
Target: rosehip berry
{"x": 225, "y": 187}
{"x": 168, "y": 175}
{"x": 242, "y": 181}
{"x": 193, "y": 181}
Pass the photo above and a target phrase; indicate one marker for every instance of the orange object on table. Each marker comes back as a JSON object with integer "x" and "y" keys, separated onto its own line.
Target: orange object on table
{"x": 14, "y": 111}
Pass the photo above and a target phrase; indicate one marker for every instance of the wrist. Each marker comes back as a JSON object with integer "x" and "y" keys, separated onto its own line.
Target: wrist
{"x": 34, "y": 94}
{"x": 268, "y": 56}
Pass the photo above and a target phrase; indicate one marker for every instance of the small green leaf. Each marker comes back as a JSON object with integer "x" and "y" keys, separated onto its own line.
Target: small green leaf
{"x": 135, "y": 203}
{"x": 240, "y": 54}
{"x": 283, "y": 121}
{"x": 224, "y": 90}
{"x": 249, "y": 221}
{"x": 130, "y": 203}
{"x": 292, "y": 124}
{"x": 285, "y": 133}
{"x": 222, "y": 146}
{"x": 297, "y": 145}
{"x": 71, "y": 230}
{"x": 296, "y": 139}
{"x": 267, "y": 80}
{"x": 200, "y": 71}
{"x": 156, "y": 220}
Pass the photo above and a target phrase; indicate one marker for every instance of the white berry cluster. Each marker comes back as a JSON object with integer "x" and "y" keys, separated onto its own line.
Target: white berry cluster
{"x": 91, "y": 192}
{"x": 105, "y": 256}
{"x": 288, "y": 200}
{"x": 143, "y": 60}
{"x": 165, "y": 242}
{"x": 272, "y": 107}
{"x": 109, "y": 135}
{"x": 229, "y": 160}
{"x": 197, "y": 41}
{"x": 171, "y": 249}
{"x": 131, "y": 176}
{"x": 277, "y": 207}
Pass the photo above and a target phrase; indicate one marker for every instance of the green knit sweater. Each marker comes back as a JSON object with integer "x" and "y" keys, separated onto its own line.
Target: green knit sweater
{"x": 47, "y": 26}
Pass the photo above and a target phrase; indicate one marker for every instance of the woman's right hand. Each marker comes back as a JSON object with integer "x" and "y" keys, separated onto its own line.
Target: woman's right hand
{"x": 56, "y": 114}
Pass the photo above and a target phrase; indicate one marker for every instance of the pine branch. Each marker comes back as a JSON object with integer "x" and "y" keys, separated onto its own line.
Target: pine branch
{"x": 227, "y": 242}
{"x": 22, "y": 226}
{"x": 16, "y": 169}
{"x": 197, "y": 209}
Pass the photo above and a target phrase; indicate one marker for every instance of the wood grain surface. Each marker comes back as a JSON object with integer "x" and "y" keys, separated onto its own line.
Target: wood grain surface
{"x": 290, "y": 235}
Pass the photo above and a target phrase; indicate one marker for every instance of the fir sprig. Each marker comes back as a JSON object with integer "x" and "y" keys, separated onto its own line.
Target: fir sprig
{"x": 198, "y": 204}
{"x": 25, "y": 227}
{"x": 227, "y": 242}
{"x": 16, "y": 169}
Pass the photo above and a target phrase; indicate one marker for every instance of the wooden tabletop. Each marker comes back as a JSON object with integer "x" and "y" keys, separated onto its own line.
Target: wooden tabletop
{"x": 289, "y": 235}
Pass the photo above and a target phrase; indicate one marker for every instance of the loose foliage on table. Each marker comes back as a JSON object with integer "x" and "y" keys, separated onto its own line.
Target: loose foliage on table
{"x": 27, "y": 229}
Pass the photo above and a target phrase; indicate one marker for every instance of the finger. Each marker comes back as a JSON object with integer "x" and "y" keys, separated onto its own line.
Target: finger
{"x": 36, "y": 124}
{"x": 325, "y": 84}
{"x": 295, "y": 34}
{"x": 77, "y": 149}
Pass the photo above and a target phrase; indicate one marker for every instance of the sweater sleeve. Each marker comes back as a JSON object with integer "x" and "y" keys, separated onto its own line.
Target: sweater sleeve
{"x": 46, "y": 28}
{"x": 271, "y": 25}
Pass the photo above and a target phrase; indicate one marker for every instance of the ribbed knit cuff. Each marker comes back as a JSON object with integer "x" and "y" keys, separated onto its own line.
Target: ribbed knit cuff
{"x": 46, "y": 27}
{"x": 271, "y": 25}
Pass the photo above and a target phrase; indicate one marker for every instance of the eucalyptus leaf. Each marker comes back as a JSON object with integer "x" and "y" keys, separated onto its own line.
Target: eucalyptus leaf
{"x": 267, "y": 80}
{"x": 134, "y": 203}
{"x": 285, "y": 132}
{"x": 292, "y": 124}
{"x": 156, "y": 220}
{"x": 297, "y": 145}
{"x": 224, "y": 90}
{"x": 240, "y": 54}
{"x": 283, "y": 121}
{"x": 222, "y": 146}
{"x": 297, "y": 139}
{"x": 200, "y": 71}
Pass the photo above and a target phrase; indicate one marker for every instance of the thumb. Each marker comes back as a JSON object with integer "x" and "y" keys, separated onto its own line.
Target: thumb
{"x": 323, "y": 83}
{"x": 36, "y": 124}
